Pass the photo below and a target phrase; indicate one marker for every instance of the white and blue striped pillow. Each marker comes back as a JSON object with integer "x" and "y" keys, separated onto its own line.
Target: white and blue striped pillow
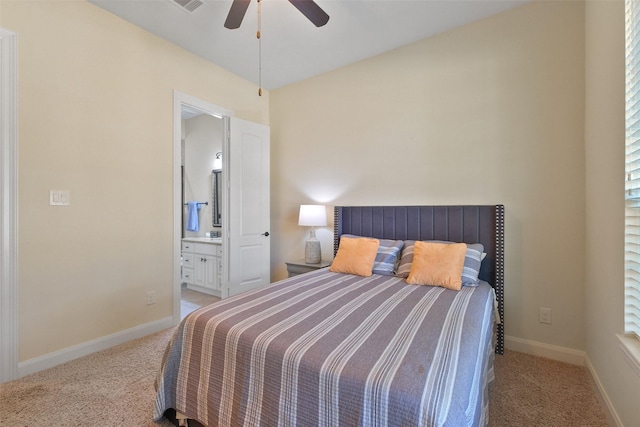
{"x": 387, "y": 256}
{"x": 472, "y": 263}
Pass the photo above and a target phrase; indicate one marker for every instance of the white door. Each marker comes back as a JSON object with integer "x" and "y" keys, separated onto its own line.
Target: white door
{"x": 248, "y": 209}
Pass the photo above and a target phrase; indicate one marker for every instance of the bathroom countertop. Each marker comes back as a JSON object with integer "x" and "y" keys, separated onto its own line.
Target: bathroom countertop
{"x": 212, "y": 240}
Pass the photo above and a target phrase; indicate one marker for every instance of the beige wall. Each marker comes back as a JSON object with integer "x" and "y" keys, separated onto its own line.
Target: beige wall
{"x": 492, "y": 112}
{"x": 604, "y": 143}
{"x": 95, "y": 112}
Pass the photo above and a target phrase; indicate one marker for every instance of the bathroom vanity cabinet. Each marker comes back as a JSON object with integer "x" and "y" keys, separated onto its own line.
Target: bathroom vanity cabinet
{"x": 202, "y": 264}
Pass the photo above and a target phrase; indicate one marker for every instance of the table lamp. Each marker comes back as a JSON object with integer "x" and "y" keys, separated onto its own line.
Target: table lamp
{"x": 312, "y": 216}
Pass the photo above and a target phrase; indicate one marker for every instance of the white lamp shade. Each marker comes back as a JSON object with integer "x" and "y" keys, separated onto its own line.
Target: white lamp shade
{"x": 313, "y": 216}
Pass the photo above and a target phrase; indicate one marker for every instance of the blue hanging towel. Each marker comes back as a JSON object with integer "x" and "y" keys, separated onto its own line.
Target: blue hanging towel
{"x": 192, "y": 216}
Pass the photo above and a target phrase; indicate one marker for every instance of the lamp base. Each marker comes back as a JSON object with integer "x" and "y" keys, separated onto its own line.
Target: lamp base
{"x": 312, "y": 252}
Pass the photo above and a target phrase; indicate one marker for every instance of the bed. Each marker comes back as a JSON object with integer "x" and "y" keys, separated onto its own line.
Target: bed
{"x": 329, "y": 348}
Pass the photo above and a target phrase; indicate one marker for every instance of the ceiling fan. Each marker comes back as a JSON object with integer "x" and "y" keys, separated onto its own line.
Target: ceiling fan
{"x": 309, "y": 8}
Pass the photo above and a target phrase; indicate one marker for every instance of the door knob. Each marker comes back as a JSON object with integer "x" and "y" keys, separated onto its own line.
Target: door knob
{"x": 266, "y": 234}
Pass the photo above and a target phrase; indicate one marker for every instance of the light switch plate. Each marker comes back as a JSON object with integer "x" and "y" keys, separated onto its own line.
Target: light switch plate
{"x": 59, "y": 197}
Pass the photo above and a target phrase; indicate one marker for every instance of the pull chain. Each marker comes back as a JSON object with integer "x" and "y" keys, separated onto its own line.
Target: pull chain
{"x": 259, "y": 48}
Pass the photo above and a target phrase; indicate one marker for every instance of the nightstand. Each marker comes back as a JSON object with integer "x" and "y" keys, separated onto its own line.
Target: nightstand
{"x": 299, "y": 266}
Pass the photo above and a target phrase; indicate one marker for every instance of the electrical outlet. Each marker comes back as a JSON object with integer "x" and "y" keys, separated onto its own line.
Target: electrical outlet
{"x": 151, "y": 297}
{"x": 545, "y": 315}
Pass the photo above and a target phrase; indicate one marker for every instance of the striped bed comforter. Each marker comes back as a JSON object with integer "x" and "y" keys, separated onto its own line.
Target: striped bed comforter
{"x": 331, "y": 349}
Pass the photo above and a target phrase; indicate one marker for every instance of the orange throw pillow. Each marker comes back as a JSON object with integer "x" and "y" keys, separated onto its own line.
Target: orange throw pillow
{"x": 355, "y": 256}
{"x": 438, "y": 264}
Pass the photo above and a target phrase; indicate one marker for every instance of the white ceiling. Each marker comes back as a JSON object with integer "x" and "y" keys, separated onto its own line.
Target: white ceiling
{"x": 293, "y": 49}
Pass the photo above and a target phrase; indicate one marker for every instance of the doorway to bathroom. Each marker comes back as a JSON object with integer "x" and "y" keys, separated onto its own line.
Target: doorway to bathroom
{"x": 201, "y": 232}
{"x": 230, "y": 250}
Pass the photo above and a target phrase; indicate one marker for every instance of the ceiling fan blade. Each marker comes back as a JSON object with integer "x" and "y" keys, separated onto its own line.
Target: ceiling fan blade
{"x": 236, "y": 13}
{"x": 312, "y": 11}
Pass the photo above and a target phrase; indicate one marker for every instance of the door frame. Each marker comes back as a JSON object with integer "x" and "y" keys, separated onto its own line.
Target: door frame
{"x": 9, "y": 201}
{"x": 179, "y": 100}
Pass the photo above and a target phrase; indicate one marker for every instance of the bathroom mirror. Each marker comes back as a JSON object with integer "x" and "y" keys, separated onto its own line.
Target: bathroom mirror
{"x": 216, "y": 186}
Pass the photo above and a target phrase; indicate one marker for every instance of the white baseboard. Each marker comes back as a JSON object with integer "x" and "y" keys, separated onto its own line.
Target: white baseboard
{"x": 65, "y": 355}
{"x": 535, "y": 348}
{"x": 603, "y": 397}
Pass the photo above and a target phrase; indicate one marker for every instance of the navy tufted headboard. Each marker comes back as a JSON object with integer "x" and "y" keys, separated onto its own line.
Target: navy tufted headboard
{"x": 465, "y": 224}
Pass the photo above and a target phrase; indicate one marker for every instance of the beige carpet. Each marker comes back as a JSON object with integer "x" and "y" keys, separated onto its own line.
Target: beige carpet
{"x": 533, "y": 391}
{"x": 114, "y": 387}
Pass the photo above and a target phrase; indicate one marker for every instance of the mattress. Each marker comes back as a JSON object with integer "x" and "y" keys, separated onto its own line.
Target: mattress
{"x": 331, "y": 349}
